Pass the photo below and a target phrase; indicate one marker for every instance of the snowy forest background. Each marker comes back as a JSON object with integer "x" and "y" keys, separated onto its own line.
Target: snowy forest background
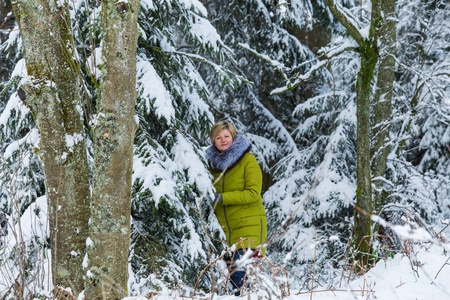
{"x": 285, "y": 72}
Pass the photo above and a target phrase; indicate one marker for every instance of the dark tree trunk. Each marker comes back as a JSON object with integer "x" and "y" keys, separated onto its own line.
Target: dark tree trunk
{"x": 382, "y": 101}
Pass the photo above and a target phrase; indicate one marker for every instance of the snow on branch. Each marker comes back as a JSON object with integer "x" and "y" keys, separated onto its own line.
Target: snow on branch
{"x": 218, "y": 68}
{"x": 405, "y": 231}
{"x": 276, "y": 64}
{"x": 328, "y": 53}
{"x": 420, "y": 234}
{"x": 300, "y": 78}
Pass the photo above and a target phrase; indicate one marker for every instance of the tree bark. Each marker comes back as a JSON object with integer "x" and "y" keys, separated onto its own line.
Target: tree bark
{"x": 113, "y": 154}
{"x": 382, "y": 100}
{"x": 53, "y": 96}
{"x": 368, "y": 50}
{"x": 362, "y": 236}
{"x": 363, "y": 225}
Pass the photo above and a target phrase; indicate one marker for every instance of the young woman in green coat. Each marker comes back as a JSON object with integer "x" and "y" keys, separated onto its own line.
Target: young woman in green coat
{"x": 238, "y": 182}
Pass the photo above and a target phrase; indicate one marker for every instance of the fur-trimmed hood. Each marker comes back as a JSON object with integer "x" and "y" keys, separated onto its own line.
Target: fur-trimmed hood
{"x": 218, "y": 161}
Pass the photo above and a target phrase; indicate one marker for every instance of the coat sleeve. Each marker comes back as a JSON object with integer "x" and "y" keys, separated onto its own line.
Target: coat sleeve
{"x": 252, "y": 184}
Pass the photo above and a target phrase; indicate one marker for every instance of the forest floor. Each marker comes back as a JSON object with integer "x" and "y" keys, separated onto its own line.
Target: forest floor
{"x": 422, "y": 275}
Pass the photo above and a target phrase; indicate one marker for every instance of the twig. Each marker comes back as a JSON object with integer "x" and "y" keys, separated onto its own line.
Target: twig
{"x": 210, "y": 264}
{"x": 330, "y": 290}
{"x": 314, "y": 263}
{"x": 150, "y": 294}
{"x": 445, "y": 227}
{"x": 446, "y": 263}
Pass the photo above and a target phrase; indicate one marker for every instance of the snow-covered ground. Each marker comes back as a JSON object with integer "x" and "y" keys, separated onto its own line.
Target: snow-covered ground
{"x": 424, "y": 275}
{"x": 427, "y": 276}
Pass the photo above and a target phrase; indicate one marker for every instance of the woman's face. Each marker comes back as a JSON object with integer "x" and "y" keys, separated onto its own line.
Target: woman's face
{"x": 223, "y": 140}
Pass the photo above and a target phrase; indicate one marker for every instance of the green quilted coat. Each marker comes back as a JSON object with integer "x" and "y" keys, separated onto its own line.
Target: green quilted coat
{"x": 241, "y": 212}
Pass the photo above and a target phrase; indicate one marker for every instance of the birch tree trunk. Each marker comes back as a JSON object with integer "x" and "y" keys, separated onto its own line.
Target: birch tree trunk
{"x": 113, "y": 154}
{"x": 52, "y": 94}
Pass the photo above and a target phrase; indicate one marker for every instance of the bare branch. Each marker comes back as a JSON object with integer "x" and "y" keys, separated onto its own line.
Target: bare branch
{"x": 303, "y": 77}
{"x": 344, "y": 19}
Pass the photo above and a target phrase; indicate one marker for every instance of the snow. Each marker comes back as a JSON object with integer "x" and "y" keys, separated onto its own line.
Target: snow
{"x": 89, "y": 242}
{"x": 423, "y": 276}
{"x": 207, "y": 34}
{"x": 155, "y": 175}
{"x": 299, "y": 78}
{"x": 197, "y": 5}
{"x": 93, "y": 62}
{"x": 187, "y": 159}
{"x": 72, "y": 140}
{"x": 31, "y": 137}
{"x": 398, "y": 278}
{"x": 85, "y": 262}
{"x": 422, "y": 271}
{"x": 151, "y": 87}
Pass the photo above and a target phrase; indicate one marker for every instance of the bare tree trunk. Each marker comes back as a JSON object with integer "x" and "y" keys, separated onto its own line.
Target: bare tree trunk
{"x": 368, "y": 50}
{"x": 382, "y": 100}
{"x": 363, "y": 225}
{"x": 53, "y": 96}
{"x": 113, "y": 154}
{"x": 362, "y": 236}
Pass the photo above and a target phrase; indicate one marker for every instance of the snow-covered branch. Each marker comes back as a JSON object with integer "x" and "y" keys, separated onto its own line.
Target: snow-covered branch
{"x": 280, "y": 67}
{"x": 218, "y": 68}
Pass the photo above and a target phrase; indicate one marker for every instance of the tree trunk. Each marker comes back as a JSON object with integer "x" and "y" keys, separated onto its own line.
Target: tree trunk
{"x": 53, "y": 97}
{"x": 362, "y": 235}
{"x": 363, "y": 224}
{"x": 113, "y": 154}
{"x": 382, "y": 100}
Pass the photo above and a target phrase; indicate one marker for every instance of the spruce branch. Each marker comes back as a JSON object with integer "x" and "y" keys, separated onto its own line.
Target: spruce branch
{"x": 276, "y": 64}
{"x": 300, "y": 78}
{"x": 292, "y": 83}
{"x": 218, "y": 68}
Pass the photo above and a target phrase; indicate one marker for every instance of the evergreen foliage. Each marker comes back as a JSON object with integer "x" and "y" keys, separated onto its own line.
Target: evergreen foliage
{"x": 285, "y": 74}
{"x": 312, "y": 194}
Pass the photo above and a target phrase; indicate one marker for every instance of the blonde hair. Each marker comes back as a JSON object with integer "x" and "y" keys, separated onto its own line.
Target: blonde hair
{"x": 218, "y": 127}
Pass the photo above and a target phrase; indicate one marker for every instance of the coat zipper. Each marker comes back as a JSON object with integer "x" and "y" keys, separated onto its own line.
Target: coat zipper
{"x": 262, "y": 229}
{"x": 225, "y": 211}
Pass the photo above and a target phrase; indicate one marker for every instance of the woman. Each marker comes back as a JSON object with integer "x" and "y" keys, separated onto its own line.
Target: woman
{"x": 238, "y": 204}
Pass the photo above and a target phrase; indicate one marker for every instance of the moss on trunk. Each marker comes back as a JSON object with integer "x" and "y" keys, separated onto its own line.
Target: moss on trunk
{"x": 362, "y": 234}
{"x": 382, "y": 100}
